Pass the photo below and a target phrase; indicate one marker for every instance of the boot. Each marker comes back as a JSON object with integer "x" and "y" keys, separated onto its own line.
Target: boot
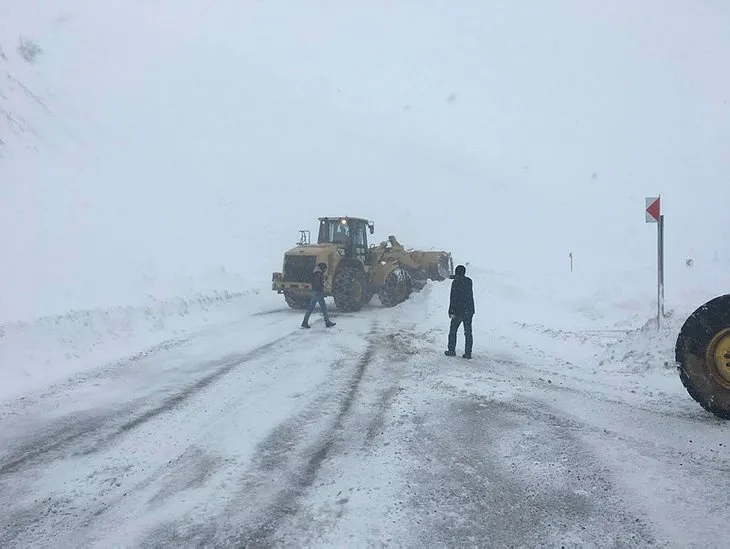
{"x": 466, "y": 355}
{"x": 329, "y": 324}
{"x": 450, "y": 353}
{"x": 305, "y": 325}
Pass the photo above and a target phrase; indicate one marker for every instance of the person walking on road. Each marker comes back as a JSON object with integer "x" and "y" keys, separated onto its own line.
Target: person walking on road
{"x": 461, "y": 309}
{"x": 317, "y": 296}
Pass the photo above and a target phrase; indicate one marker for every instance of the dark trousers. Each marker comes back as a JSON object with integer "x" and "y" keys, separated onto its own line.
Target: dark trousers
{"x": 455, "y": 323}
{"x": 316, "y": 298}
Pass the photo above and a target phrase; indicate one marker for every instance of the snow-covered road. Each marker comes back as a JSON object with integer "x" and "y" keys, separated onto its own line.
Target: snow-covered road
{"x": 257, "y": 433}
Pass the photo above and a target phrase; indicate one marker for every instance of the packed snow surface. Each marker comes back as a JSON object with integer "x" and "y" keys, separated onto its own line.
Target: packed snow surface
{"x": 250, "y": 431}
{"x": 156, "y": 159}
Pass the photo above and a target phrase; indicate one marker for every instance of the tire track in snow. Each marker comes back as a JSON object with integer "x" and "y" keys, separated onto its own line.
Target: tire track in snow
{"x": 68, "y": 435}
{"x": 112, "y": 492}
{"x": 16, "y": 407}
{"x": 119, "y": 367}
{"x": 286, "y": 464}
{"x": 285, "y": 502}
{"x": 108, "y": 483}
{"x": 402, "y": 350}
{"x": 353, "y": 433}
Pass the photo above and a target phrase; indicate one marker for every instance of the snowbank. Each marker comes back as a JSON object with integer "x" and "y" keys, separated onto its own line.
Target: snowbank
{"x": 38, "y": 353}
{"x": 603, "y": 321}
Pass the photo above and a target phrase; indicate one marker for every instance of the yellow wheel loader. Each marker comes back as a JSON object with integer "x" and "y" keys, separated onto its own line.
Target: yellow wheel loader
{"x": 356, "y": 271}
{"x": 702, "y": 353}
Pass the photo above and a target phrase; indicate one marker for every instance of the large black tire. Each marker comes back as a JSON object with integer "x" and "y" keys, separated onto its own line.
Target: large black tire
{"x": 296, "y": 301}
{"x": 348, "y": 289}
{"x": 419, "y": 279}
{"x": 702, "y": 353}
{"x": 397, "y": 288}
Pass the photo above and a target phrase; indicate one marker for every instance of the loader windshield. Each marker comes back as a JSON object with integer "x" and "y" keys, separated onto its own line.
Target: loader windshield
{"x": 332, "y": 231}
{"x": 350, "y": 233}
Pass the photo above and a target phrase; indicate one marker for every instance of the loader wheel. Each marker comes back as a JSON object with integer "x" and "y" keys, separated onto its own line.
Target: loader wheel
{"x": 296, "y": 301}
{"x": 348, "y": 289}
{"x": 702, "y": 353}
{"x": 418, "y": 279}
{"x": 397, "y": 288}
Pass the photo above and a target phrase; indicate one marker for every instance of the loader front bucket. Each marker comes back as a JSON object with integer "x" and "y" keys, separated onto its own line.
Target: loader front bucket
{"x": 438, "y": 265}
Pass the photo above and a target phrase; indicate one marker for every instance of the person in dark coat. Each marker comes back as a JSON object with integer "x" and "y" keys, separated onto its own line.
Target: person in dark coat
{"x": 317, "y": 296}
{"x": 461, "y": 309}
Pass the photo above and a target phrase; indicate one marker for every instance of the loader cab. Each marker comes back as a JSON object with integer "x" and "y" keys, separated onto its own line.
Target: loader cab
{"x": 348, "y": 232}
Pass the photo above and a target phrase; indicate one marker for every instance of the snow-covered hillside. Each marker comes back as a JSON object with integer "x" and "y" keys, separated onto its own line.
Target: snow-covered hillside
{"x": 144, "y": 144}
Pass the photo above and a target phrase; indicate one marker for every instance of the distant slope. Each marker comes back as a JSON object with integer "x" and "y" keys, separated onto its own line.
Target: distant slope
{"x": 158, "y": 141}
